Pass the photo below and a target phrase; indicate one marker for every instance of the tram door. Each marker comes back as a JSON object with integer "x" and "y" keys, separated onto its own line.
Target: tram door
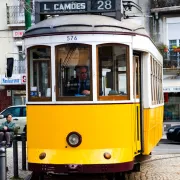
{"x": 136, "y": 94}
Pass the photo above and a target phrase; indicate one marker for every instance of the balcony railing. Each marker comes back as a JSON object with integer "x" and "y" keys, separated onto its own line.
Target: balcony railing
{"x": 165, "y": 3}
{"x": 16, "y": 16}
{"x": 170, "y": 63}
{"x": 19, "y": 67}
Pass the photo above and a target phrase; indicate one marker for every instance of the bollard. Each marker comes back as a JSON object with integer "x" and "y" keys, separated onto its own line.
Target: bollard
{"x": 15, "y": 157}
{"x": 3, "y": 174}
{"x": 23, "y": 138}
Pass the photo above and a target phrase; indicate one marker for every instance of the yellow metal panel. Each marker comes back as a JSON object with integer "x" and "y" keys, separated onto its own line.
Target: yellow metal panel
{"x": 103, "y": 128}
{"x": 81, "y": 156}
{"x": 153, "y": 124}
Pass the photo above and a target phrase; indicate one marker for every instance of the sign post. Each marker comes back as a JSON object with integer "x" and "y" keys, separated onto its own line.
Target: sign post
{"x": 28, "y": 14}
{"x": 78, "y": 7}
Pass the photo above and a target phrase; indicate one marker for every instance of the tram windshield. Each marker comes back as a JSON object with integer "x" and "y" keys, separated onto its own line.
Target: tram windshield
{"x": 113, "y": 72}
{"x": 73, "y": 67}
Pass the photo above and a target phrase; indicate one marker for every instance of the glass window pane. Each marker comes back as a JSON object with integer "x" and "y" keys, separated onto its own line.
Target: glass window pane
{"x": 113, "y": 76}
{"x": 15, "y": 112}
{"x": 24, "y": 112}
{"x": 74, "y": 71}
{"x": 40, "y": 73}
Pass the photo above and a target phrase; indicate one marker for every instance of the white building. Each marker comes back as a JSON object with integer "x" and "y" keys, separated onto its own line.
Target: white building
{"x": 166, "y": 27}
{"x": 12, "y": 91}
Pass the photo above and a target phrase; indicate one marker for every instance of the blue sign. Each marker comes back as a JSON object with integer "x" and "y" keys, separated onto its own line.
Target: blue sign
{"x": 11, "y": 81}
{"x": 33, "y": 93}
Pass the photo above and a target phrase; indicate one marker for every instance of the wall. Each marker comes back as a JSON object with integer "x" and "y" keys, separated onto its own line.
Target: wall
{"x": 142, "y": 17}
{"x": 6, "y": 39}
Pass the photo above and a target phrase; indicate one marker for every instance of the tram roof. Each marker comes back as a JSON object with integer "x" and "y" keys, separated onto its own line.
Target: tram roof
{"x": 84, "y": 23}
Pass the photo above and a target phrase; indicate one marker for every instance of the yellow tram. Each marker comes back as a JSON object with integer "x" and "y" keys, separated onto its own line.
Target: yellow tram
{"x": 100, "y": 126}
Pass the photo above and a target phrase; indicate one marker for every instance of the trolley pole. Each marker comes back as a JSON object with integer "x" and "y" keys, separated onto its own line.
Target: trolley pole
{"x": 27, "y": 14}
{"x": 3, "y": 173}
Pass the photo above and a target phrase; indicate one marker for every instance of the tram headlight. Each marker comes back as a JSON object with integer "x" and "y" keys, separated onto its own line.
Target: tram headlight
{"x": 74, "y": 139}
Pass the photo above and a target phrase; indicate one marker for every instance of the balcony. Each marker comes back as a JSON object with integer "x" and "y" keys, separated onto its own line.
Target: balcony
{"x": 16, "y": 16}
{"x": 165, "y": 3}
{"x": 19, "y": 67}
{"x": 165, "y": 6}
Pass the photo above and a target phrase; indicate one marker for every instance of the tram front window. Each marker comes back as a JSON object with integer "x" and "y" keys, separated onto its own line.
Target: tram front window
{"x": 39, "y": 73}
{"x": 73, "y": 72}
{"x": 113, "y": 72}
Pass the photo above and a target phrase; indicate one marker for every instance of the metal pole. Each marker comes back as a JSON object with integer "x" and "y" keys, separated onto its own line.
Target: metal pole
{"x": 28, "y": 10}
{"x": 3, "y": 174}
{"x": 23, "y": 138}
{"x": 15, "y": 158}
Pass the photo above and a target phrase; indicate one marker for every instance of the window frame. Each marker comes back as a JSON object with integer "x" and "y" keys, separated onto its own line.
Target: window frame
{"x": 41, "y": 99}
{"x": 10, "y": 109}
{"x": 156, "y": 82}
{"x": 114, "y": 97}
{"x": 73, "y": 98}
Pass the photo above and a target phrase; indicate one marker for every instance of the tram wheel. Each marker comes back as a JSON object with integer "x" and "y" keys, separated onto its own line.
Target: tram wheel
{"x": 116, "y": 176}
{"x": 37, "y": 176}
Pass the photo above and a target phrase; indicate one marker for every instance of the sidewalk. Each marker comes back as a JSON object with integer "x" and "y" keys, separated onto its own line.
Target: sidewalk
{"x": 22, "y": 174}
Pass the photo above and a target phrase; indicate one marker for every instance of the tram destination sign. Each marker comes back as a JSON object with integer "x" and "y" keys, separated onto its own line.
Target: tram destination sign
{"x": 79, "y": 6}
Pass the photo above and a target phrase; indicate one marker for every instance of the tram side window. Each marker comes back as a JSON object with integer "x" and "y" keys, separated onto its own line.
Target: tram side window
{"x": 113, "y": 72}
{"x": 73, "y": 67}
{"x": 156, "y": 82}
{"x": 39, "y": 73}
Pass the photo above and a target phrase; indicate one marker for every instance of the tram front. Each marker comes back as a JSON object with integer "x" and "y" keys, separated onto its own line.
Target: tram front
{"x": 81, "y": 105}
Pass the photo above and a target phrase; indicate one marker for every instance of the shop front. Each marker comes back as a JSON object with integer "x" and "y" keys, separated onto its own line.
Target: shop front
{"x": 171, "y": 89}
{"x": 13, "y": 90}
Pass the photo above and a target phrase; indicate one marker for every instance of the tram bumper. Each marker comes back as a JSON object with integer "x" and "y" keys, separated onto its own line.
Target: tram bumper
{"x": 82, "y": 161}
{"x": 79, "y": 168}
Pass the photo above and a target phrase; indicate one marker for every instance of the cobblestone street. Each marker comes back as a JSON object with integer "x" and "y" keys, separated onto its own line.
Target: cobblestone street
{"x": 159, "y": 167}
{"x": 22, "y": 174}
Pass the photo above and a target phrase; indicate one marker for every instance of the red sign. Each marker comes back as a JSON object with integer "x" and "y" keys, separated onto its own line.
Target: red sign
{"x": 23, "y": 79}
{"x": 18, "y": 33}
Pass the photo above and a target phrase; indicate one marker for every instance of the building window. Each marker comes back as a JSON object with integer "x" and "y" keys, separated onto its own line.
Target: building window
{"x": 173, "y": 55}
{"x": 20, "y": 53}
{"x": 73, "y": 72}
{"x": 156, "y": 82}
{"x": 113, "y": 72}
{"x": 39, "y": 73}
{"x": 172, "y": 107}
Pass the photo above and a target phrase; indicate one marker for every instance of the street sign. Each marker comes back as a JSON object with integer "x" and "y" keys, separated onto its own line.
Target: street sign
{"x": 63, "y": 7}
{"x": 78, "y": 6}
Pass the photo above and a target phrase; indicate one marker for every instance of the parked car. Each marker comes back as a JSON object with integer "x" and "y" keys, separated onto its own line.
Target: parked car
{"x": 173, "y": 133}
{"x": 18, "y": 114}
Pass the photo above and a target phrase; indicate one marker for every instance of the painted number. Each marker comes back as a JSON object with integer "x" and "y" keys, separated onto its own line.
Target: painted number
{"x": 71, "y": 38}
{"x": 104, "y": 5}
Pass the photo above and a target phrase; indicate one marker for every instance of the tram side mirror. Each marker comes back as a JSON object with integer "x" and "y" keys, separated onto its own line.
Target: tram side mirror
{"x": 10, "y": 63}
{"x": 109, "y": 82}
{"x": 1, "y": 116}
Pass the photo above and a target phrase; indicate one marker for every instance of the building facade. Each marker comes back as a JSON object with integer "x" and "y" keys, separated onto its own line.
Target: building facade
{"x": 165, "y": 32}
{"x": 12, "y": 90}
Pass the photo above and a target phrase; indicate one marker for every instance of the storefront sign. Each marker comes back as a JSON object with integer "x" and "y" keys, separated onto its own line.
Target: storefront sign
{"x": 23, "y": 79}
{"x": 14, "y": 80}
{"x": 77, "y": 6}
{"x": 18, "y": 33}
{"x": 171, "y": 89}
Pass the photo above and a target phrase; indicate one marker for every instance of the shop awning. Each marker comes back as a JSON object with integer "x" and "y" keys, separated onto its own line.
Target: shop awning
{"x": 171, "y": 84}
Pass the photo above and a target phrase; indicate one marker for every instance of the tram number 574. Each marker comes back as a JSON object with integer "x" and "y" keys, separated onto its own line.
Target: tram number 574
{"x": 71, "y": 38}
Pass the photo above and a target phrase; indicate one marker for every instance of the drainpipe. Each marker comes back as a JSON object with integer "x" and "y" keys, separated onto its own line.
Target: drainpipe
{"x": 27, "y": 14}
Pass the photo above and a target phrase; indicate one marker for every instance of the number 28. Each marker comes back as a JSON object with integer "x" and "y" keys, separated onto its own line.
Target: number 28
{"x": 104, "y": 5}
